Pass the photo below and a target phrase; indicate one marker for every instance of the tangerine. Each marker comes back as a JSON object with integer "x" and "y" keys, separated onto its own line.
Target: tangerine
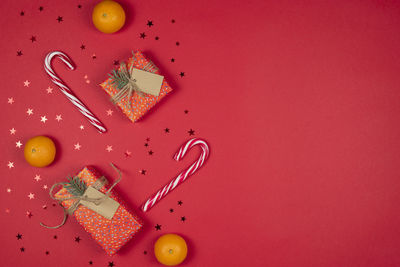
{"x": 40, "y": 151}
{"x": 170, "y": 249}
{"x": 108, "y": 16}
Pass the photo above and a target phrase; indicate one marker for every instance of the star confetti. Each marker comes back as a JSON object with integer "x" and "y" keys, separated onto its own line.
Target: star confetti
{"x": 109, "y": 112}
{"x": 177, "y": 43}
{"x": 19, "y": 236}
{"x": 40, "y": 8}
{"x": 81, "y": 127}
{"x": 33, "y": 39}
{"x": 49, "y": 90}
{"x": 94, "y": 56}
{"x": 44, "y": 207}
{"x": 45, "y": 186}
{"x": 143, "y": 172}
{"x": 59, "y": 19}
{"x": 83, "y": 46}
{"x": 77, "y": 239}
{"x": 43, "y": 119}
{"x": 37, "y": 178}
{"x": 31, "y": 196}
{"x": 10, "y": 100}
{"x": 18, "y": 144}
{"x": 22, "y": 249}
{"x": 166, "y": 130}
{"x": 171, "y": 210}
{"x": 77, "y": 146}
{"x": 182, "y": 74}
{"x": 180, "y": 202}
{"x": 47, "y": 252}
{"x": 8, "y": 190}
{"x": 157, "y": 38}
{"x": 27, "y": 83}
{"x": 172, "y": 59}
{"x": 150, "y": 23}
{"x": 58, "y": 118}
{"x": 109, "y": 148}
{"x": 142, "y": 35}
{"x": 146, "y": 144}
{"x": 29, "y": 214}
{"x": 128, "y": 153}
{"x": 116, "y": 62}
{"x": 183, "y": 218}
{"x": 10, "y": 164}
{"x": 111, "y": 264}
{"x": 158, "y": 227}
{"x": 19, "y": 53}
{"x": 191, "y": 132}
{"x": 29, "y": 111}
{"x": 151, "y": 152}
{"x": 22, "y": 13}
{"x": 186, "y": 111}
{"x": 13, "y": 131}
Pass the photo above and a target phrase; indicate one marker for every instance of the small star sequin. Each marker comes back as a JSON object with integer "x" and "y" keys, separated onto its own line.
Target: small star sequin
{"x": 142, "y": 35}
{"x": 10, "y": 100}
{"x": 8, "y": 190}
{"x": 22, "y": 249}
{"x": 19, "y": 236}
{"x": 77, "y": 146}
{"x": 10, "y": 164}
{"x": 58, "y": 118}
{"x": 79, "y": 6}
{"x": 150, "y": 23}
{"x": 183, "y": 218}
{"x": 18, "y": 144}
{"x": 49, "y": 90}
{"x": 29, "y": 214}
{"x": 145, "y": 252}
{"x": 43, "y": 119}
{"x": 29, "y": 111}
{"x": 19, "y": 53}
{"x": 151, "y": 152}
{"x": 186, "y": 111}
{"x": 27, "y": 83}
{"x": 54, "y": 237}
{"x": 44, "y": 207}
{"x": 83, "y": 47}
{"x": 37, "y": 178}
{"x": 81, "y": 127}
{"x": 172, "y": 21}
{"x": 111, "y": 264}
{"x": 128, "y": 153}
{"x": 90, "y": 262}
{"x": 109, "y": 112}
{"x": 177, "y": 43}
{"x": 116, "y": 62}
{"x": 143, "y": 172}
{"x": 59, "y": 19}
{"x": 180, "y": 202}
{"x": 182, "y": 74}
{"x": 158, "y": 227}
{"x": 13, "y": 131}
{"x": 22, "y": 13}
{"x": 40, "y": 8}
{"x": 157, "y": 38}
{"x": 172, "y": 59}
{"x": 146, "y": 144}
{"x": 31, "y": 196}
{"x": 33, "y": 39}
{"x": 109, "y": 148}
{"x": 191, "y": 132}
{"x": 147, "y": 139}
{"x": 47, "y": 252}
{"x": 94, "y": 56}
{"x": 171, "y": 210}
{"x": 45, "y": 186}
{"x": 77, "y": 239}
{"x": 166, "y": 130}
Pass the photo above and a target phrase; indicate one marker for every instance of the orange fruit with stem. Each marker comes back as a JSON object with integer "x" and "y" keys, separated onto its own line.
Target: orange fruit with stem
{"x": 40, "y": 151}
{"x": 170, "y": 249}
{"x": 108, "y": 16}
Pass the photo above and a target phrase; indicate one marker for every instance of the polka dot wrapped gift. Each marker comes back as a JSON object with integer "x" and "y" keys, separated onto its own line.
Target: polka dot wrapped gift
{"x": 112, "y": 233}
{"x": 135, "y": 105}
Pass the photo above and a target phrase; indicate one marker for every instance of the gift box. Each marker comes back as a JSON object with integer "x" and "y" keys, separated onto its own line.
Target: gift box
{"x": 112, "y": 233}
{"x": 135, "y": 105}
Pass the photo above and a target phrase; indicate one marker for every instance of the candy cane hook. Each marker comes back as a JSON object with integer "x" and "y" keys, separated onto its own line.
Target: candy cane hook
{"x": 184, "y": 174}
{"x": 67, "y": 91}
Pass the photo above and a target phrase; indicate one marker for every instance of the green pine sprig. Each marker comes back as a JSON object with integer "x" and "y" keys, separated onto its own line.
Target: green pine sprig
{"x": 75, "y": 186}
{"x": 120, "y": 77}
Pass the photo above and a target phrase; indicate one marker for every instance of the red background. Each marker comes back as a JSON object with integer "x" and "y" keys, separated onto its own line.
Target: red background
{"x": 299, "y": 101}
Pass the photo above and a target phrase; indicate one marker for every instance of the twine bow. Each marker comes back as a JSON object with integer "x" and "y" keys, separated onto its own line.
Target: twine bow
{"x": 77, "y": 198}
{"x": 126, "y": 83}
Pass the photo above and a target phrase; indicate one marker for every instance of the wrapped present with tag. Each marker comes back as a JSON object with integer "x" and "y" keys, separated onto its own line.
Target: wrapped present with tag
{"x": 97, "y": 208}
{"x": 136, "y": 87}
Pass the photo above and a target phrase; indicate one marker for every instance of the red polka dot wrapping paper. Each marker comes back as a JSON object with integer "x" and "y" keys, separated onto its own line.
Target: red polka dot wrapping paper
{"x": 110, "y": 234}
{"x": 298, "y": 101}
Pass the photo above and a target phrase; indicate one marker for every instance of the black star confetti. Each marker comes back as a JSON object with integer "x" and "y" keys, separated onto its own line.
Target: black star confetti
{"x": 22, "y": 249}
{"x": 19, "y": 53}
{"x": 177, "y": 43}
{"x": 83, "y": 46}
{"x": 166, "y": 130}
{"x": 191, "y": 132}
{"x": 90, "y": 262}
{"x": 29, "y": 214}
{"x": 19, "y": 236}
{"x": 142, "y": 35}
{"x": 183, "y": 218}
{"x": 40, "y": 8}
{"x": 94, "y": 56}
{"x": 172, "y": 21}
{"x": 60, "y": 19}
{"x": 116, "y": 62}
{"x": 150, "y": 23}
{"x": 33, "y": 39}
{"x": 47, "y": 252}
{"x": 22, "y": 13}
{"x": 143, "y": 172}
{"x": 180, "y": 202}
{"x": 145, "y": 252}
{"x": 171, "y": 210}
{"x": 111, "y": 264}
{"x": 157, "y": 38}
{"x": 55, "y": 237}
{"x": 146, "y": 144}
{"x": 158, "y": 227}
{"x": 79, "y": 6}
{"x": 151, "y": 152}
{"x": 172, "y": 59}
{"x": 77, "y": 239}
{"x": 148, "y": 139}
{"x": 186, "y": 111}
{"x": 182, "y": 74}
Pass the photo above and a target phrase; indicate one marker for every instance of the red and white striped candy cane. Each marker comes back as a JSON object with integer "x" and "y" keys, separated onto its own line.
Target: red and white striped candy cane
{"x": 183, "y": 175}
{"x": 67, "y": 92}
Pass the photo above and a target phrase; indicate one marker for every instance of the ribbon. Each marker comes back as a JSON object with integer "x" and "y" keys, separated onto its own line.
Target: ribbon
{"x": 123, "y": 76}
{"x": 102, "y": 181}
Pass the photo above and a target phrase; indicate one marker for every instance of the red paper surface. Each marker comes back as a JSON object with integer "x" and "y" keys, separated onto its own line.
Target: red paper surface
{"x": 299, "y": 101}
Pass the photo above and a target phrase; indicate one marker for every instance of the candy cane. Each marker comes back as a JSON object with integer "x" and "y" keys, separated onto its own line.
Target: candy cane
{"x": 67, "y": 92}
{"x": 183, "y": 175}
